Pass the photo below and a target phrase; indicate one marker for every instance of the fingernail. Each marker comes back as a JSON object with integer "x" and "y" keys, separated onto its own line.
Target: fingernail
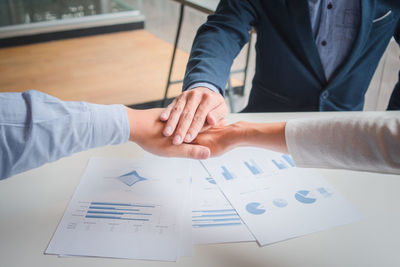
{"x": 164, "y": 116}
{"x": 204, "y": 154}
{"x": 168, "y": 131}
{"x": 177, "y": 140}
{"x": 188, "y": 138}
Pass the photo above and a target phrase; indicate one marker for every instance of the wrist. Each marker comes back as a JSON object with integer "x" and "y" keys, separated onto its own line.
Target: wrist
{"x": 241, "y": 131}
{"x": 133, "y": 118}
{"x": 266, "y": 135}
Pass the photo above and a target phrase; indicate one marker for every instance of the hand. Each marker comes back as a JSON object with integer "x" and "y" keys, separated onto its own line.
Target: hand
{"x": 191, "y": 112}
{"x": 222, "y": 139}
{"x": 146, "y": 131}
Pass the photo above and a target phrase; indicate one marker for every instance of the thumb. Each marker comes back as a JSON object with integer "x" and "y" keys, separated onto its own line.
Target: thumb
{"x": 192, "y": 151}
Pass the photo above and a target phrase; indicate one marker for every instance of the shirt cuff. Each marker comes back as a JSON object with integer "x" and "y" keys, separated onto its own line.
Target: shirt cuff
{"x": 205, "y": 84}
{"x": 298, "y": 142}
{"x": 110, "y": 124}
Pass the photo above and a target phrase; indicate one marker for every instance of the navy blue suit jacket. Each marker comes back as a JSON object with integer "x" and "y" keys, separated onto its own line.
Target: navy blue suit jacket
{"x": 289, "y": 75}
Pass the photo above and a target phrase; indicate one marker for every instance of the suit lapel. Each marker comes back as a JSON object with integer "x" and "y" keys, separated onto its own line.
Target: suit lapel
{"x": 300, "y": 15}
{"x": 367, "y": 6}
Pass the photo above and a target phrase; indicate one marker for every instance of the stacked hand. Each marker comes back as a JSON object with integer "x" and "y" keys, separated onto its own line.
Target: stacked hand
{"x": 194, "y": 127}
{"x": 192, "y": 112}
{"x": 146, "y": 130}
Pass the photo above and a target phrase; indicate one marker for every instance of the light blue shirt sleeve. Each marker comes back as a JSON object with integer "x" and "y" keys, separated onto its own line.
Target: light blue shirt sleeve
{"x": 36, "y": 128}
{"x": 207, "y": 85}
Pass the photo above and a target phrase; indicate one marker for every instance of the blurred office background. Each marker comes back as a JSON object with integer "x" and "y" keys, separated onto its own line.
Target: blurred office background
{"x": 119, "y": 51}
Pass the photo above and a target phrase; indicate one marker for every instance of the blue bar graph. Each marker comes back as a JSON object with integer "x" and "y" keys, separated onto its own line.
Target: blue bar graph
{"x": 107, "y": 203}
{"x": 105, "y": 212}
{"x": 111, "y": 208}
{"x": 227, "y": 210}
{"x": 216, "y": 220}
{"x": 215, "y": 215}
{"x": 116, "y": 212}
{"x": 253, "y": 167}
{"x": 227, "y": 174}
{"x": 280, "y": 165}
{"x": 216, "y": 224}
{"x": 114, "y": 218}
{"x": 121, "y": 204}
{"x": 288, "y": 160}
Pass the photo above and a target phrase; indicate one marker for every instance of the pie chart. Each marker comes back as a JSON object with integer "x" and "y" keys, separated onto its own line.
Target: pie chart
{"x": 304, "y": 196}
{"x": 255, "y": 208}
{"x": 280, "y": 203}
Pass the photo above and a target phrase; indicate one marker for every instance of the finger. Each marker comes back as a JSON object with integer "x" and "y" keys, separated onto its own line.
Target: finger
{"x": 175, "y": 115}
{"x": 208, "y": 103}
{"x": 167, "y": 111}
{"x": 217, "y": 114}
{"x": 191, "y": 151}
{"x": 187, "y": 115}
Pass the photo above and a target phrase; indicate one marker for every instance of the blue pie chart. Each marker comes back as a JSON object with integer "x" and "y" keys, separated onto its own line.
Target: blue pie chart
{"x": 255, "y": 208}
{"x": 280, "y": 203}
{"x": 303, "y": 196}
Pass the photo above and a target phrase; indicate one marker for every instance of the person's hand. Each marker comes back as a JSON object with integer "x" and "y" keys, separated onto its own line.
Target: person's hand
{"x": 222, "y": 139}
{"x": 146, "y": 131}
{"x": 191, "y": 112}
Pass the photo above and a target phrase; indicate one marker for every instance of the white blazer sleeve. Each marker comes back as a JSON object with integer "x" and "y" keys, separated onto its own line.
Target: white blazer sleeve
{"x": 365, "y": 141}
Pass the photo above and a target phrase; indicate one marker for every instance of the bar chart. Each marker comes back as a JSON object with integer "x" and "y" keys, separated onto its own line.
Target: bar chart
{"x": 119, "y": 211}
{"x": 227, "y": 174}
{"x": 126, "y": 208}
{"x": 284, "y": 162}
{"x": 288, "y": 160}
{"x": 280, "y": 164}
{"x": 253, "y": 167}
{"x": 215, "y": 218}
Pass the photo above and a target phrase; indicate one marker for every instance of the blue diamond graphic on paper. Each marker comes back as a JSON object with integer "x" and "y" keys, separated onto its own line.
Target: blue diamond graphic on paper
{"x": 131, "y": 178}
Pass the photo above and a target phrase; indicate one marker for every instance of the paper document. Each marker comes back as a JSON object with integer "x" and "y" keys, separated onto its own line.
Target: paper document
{"x": 124, "y": 208}
{"x": 276, "y": 200}
{"x": 214, "y": 220}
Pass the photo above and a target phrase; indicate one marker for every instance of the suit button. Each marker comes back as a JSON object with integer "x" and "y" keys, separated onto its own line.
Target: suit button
{"x": 325, "y": 95}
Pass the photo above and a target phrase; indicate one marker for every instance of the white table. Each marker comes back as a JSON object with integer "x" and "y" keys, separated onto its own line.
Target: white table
{"x": 32, "y": 204}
